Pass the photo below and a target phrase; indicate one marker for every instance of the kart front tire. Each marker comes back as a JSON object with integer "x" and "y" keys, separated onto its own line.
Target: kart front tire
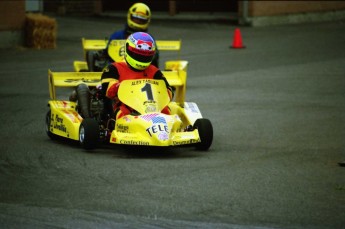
{"x": 205, "y": 130}
{"x": 89, "y": 134}
{"x": 48, "y": 124}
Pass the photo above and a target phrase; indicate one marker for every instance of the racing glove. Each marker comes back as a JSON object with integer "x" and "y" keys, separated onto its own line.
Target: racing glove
{"x": 112, "y": 90}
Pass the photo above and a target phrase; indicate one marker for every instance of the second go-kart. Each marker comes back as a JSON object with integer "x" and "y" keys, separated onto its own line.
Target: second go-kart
{"x": 96, "y": 57}
{"x": 146, "y": 125}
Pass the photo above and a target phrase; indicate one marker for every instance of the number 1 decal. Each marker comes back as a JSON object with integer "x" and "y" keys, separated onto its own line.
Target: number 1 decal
{"x": 147, "y": 88}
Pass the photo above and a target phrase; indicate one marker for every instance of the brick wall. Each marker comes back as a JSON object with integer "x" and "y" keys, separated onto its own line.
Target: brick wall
{"x": 272, "y": 8}
{"x": 12, "y": 21}
{"x": 79, "y": 7}
{"x": 12, "y": 14}
{"x": 75, "y": 7}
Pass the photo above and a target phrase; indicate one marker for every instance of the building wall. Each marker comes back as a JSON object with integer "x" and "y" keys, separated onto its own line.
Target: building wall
{"x": 12, "y": 14}
{"x": 263, "y": 13}
{"x": 73, "y": 7}
{"x": 12, "y": 21}
{"x": 255, "y": 8}
{"x": 181, "y": 5}
{"x": 270, "y": 8}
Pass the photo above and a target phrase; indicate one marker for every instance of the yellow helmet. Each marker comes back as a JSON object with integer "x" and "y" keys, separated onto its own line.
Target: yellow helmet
{"x": 138, "y": 17}
{"x": 140, "y": 50}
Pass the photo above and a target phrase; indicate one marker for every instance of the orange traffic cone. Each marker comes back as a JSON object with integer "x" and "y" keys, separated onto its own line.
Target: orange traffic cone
{"x": 237, "y": 41}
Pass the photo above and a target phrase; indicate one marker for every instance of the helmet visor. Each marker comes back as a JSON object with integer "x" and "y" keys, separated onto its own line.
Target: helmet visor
{"x": 143, "y": 56}
{"x": 139, "y": 19}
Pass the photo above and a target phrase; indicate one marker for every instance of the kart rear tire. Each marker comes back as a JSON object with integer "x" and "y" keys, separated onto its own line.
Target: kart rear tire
{"x": 90, "y": 60}
{"x": 89, "y": 134}
{"x": 48, "y": 124}
{"x": 205, "y": 130}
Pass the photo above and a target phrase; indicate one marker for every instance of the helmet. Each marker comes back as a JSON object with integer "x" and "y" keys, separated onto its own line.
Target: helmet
{"x": 140, "y": 50}
{"x": 138, "y": 17}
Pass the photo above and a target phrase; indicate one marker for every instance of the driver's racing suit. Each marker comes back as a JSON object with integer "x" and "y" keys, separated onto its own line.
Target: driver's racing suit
{"x": 114, "y": 74}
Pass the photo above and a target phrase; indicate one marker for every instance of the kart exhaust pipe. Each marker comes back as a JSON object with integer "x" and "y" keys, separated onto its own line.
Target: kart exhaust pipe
{"x": 83, "y": 95}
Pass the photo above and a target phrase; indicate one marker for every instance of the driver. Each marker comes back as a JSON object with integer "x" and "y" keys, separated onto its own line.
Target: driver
{"x": 138, "y": 20}
{"x": 139, "y": 52}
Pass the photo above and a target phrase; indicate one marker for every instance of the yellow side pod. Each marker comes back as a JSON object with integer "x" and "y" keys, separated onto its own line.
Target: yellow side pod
{"x": 65, "y": 120}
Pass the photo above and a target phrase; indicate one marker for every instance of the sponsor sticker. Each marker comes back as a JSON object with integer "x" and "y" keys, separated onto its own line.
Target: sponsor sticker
{"x": 122, "y": 128}
{"x": 191, "y": 141}
{"x": 193, "y": 108}
{"x": 132, "y": 142}
{"x": 58, "y": 124}
{"x": 159, "y": 126}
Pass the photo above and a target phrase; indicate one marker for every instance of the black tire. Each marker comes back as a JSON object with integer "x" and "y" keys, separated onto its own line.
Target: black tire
{"x": 205, "y": 130}
{"x": 48, "y": 125}
{"x": 83, "y": 97}
{"x": 89, "y": 133}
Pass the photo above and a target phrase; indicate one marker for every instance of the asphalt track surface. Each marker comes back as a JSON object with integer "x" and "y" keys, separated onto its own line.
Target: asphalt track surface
{"x": 278, "y": 112}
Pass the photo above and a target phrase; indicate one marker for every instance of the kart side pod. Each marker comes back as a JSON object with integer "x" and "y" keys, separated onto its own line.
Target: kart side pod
{"x": 63, "y": 120}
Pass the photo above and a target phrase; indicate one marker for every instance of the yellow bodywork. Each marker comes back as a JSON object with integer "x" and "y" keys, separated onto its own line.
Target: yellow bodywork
{"x": 65, "y": 120}
{"x": 149, "y": 97}
{"x": 135, "y": 130}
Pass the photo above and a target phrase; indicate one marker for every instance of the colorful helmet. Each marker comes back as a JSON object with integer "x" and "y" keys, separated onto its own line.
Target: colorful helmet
{"x": 140, "y": 50}
{"x": 138, "y": 17}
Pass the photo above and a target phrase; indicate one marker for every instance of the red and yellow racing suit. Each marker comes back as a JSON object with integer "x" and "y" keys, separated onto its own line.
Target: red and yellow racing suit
{"x": 115, "y": 73}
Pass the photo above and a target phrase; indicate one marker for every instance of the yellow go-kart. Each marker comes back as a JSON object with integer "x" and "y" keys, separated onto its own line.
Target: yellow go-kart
{"x": 145, "y": 126}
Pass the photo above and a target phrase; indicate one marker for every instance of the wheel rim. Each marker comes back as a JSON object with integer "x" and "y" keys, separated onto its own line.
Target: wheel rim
{"x": 81, "y": 134}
